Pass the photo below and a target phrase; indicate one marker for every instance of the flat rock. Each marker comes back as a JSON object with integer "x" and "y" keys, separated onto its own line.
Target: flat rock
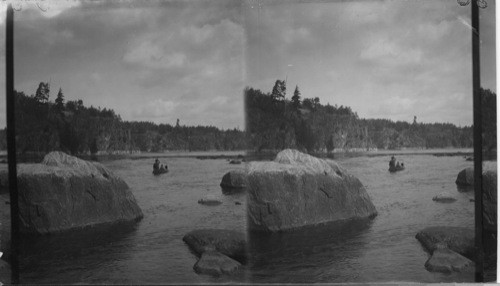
{"x": 446, "y": 261}
{"x": 228, "y": 242}
{"x": 234, "y": 182}
{"x": 64, "y": 193}
{"x": 214, "y": 263}
{"x": 465, "y": 177}
{"x": 209, "y": 201}
{"x": 297, "y": 190}
{"x": 458, "y": 239}
{"x": 444, "y": 198}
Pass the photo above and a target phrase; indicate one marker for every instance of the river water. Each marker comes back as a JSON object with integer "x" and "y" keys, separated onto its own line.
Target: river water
{"x": 152, "y": 251}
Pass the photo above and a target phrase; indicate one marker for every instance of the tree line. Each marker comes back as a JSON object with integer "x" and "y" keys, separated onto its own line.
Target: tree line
{"x": 43, "y": 126}
{"x": 275, "y": 122}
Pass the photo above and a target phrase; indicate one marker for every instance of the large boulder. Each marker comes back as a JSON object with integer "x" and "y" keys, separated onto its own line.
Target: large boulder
{"x": 228, "y": 242}
{"x": 458, "y": 239}
{"x": 465, "y": 177}
{"x": 234, "y": 182}
{"x": 490, "y": 201}
{"x": 214, "y": 263}
{"x": 298, "y": 190}
{"x": 64, "y": 193}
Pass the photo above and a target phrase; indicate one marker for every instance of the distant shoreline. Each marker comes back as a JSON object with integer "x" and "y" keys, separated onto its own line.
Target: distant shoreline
{"x": 253, "y": 155}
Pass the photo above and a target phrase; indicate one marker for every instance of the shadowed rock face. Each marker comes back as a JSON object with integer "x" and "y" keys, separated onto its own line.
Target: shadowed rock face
{"x": 299, "y": 190}
{"x": 445, "y": 260}
{"x": 465, "y": 177}
{"x": 214, "y": 263}
{"x": 458, "y": 239}
{"x": 64, "y": 192}
{"x": 217, "y": 248}
{"x": 228, "y": 242}
{"x": 234, "y": 182}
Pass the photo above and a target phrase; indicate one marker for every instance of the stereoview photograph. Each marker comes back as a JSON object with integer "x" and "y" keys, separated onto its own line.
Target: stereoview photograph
{"x": 249, "y": 141}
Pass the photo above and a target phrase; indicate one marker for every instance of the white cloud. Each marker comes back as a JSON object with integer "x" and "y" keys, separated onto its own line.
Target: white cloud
{"x": 153, "y": 55}
{"x": 157, "y": 108}
{"x": 433, "y": 31}
{"x": 389, "y": 52}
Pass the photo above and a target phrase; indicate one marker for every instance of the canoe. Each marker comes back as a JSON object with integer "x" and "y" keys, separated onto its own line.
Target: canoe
{"x": 160, "y": 171}
{"x": 396, "y": 169}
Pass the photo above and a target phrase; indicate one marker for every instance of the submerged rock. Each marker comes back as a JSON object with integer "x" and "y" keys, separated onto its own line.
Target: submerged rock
{"x": 228, "y": 242}
{"x": 209, "y": 201}
{"x": 446, "y": 260}
{"x": 234, "y": 182}
{"x": 214, "y": 263}
{"x": 458, "y": 239}
{"x": 465, "y": 177}
{"x": 65, "y": 192}
{"x": 444, "y": 198}
{"x": 298, "y": 190}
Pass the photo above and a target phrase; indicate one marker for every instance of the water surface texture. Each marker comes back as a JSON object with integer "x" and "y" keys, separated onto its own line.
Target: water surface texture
{"x": 152, "y": 251}
{"x": 384, "y": 249}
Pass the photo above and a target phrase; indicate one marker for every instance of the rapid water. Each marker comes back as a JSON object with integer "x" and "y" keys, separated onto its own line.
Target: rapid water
{"x": 152, "y": 251}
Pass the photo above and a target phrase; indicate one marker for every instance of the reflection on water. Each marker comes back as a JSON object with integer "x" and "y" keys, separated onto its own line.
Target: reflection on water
{"x": 300, "y": 252}
{"x": 72, "y": 251}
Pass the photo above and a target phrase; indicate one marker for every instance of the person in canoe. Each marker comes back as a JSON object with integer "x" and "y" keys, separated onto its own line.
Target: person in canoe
{"x": 159, "y": 168}
{"x": 392, "y": 163}
{"x": 395, "y": 166}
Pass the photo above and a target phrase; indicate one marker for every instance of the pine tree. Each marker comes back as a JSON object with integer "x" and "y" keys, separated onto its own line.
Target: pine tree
{"x": 42, "y": 92}
{"x": 60, "y": 100}
{"x": 296, "y": 98}
{"x": 279, "y": 90}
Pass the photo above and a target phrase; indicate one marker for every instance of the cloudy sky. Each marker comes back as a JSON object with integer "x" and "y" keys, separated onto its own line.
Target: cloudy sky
{"x": 384, "y": 59}
{"x": 162, "y": 60}
{"x": 148, "y": 60}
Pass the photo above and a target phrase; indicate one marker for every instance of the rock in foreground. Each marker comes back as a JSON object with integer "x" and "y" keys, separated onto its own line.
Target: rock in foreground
{"x": 446, "y": 260}
{"x": 64, "y": 193}
{"x": 228, "y": 242}
{"x": 458, "y": 239}
{"x": 465, "y": 177}
{"x": 234, "y": 182}
{"x": 299, "y": 190}
{"x": 215, "y": 263}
